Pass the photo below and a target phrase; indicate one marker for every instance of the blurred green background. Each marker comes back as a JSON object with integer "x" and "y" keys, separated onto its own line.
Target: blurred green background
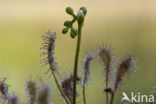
{"x": 122, "y": 24}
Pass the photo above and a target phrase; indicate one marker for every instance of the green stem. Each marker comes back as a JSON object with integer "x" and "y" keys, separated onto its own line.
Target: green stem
{"x": 76, "y": 62}
{"x": 112, "y": 98}
{"x": 106, "y": 93}
{"x": 84, "y": 95}
{"x": 107, "y": 85}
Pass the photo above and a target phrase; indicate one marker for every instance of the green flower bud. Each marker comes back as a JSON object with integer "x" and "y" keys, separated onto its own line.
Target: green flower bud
{"x": 80, "y": 16}
{"x": 72, "y": 35}
{"x": 69, "y": 10}
{"x": 84, "y": 10}
{"x": 65, "y": 30}
{"x": 74, "y": 31}
{"x": 67, "y": 23}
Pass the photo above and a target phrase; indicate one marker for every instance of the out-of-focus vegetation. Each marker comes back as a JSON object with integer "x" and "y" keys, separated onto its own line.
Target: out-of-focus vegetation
{"x": 122, "y": 24}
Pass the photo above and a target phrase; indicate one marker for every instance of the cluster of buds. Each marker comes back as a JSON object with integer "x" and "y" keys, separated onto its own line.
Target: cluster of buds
{"x": 79, "y": 18}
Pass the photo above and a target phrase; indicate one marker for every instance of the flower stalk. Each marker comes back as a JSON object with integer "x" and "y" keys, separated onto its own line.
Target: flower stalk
{"x": 75, "y": 32}
{"x": 76, "y": 61}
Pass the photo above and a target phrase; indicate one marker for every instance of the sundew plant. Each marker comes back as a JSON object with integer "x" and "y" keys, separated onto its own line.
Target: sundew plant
{"x": 114, "y": 69}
